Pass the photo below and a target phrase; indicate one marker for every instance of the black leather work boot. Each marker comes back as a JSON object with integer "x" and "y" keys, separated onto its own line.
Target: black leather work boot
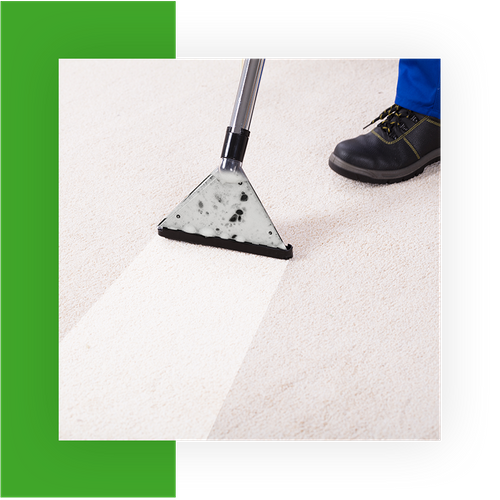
{"x": 397, "y": 149}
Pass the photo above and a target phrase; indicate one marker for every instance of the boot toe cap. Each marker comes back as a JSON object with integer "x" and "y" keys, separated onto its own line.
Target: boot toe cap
{"x": 354, "y": 152}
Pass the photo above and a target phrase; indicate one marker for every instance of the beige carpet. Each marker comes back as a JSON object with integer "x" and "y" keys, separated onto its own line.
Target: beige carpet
{"x": 167, "y": 340}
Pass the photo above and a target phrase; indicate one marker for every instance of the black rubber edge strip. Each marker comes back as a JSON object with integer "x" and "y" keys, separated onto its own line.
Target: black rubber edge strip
{"x": 229, "y": 244}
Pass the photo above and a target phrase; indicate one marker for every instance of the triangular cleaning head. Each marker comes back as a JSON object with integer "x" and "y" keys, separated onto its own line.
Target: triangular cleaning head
{"x": 224, "y": 211}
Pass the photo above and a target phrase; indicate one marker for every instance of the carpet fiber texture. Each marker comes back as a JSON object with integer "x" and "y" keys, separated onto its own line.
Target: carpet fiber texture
{"x": 167, "y": 340}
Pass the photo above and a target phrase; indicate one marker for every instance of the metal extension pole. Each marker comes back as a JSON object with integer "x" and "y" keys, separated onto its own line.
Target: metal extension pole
{"x": 238, "y": 132}
{"x": 247, "y": 94}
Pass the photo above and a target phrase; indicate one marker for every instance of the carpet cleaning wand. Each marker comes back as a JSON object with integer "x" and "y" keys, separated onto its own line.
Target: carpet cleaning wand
{"x": 224, "y": 210}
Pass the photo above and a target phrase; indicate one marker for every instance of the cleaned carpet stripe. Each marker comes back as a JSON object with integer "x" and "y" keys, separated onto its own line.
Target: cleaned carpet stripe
{"x": 155, "y": 357}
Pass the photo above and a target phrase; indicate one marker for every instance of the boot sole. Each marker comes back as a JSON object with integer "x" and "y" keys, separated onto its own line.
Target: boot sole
{"x": 383, "y": 176}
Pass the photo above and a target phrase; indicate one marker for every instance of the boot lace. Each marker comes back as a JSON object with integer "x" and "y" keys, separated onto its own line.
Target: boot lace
{"x": 393, "y": 117}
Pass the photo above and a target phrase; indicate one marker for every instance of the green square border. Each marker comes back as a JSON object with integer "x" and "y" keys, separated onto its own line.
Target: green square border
{"x": 34, "y": 36}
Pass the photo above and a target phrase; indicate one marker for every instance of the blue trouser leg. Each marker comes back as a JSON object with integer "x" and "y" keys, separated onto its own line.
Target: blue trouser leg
{"x": 419, "y": 86}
